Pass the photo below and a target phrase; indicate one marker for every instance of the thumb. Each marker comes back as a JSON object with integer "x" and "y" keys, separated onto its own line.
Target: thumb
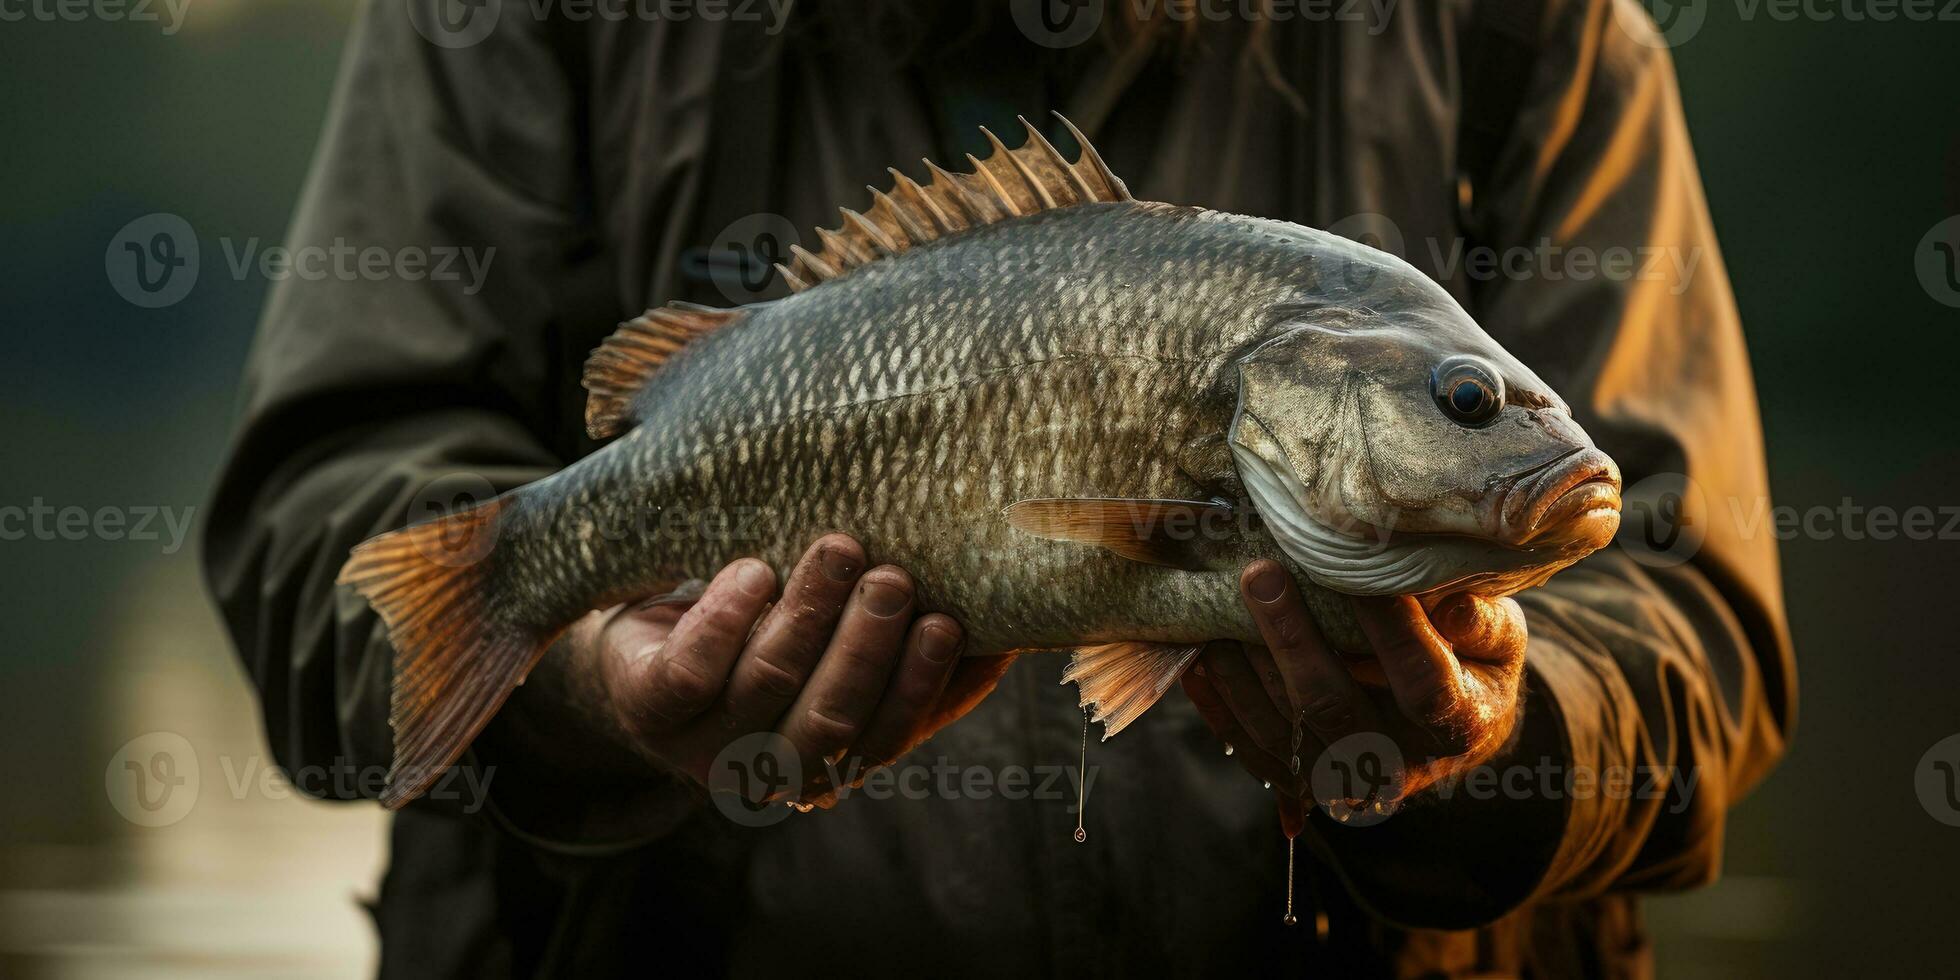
{"x": 1479, "y": 628}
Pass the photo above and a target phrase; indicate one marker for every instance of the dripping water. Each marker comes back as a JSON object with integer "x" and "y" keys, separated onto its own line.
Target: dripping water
{"x": 1290, "y": 919}
{"x": 1082, "y": 781}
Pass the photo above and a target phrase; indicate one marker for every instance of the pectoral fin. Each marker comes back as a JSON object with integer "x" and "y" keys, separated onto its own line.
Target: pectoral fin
{"x": 1159, "y": 532}
{"x": 1124, "y": 679}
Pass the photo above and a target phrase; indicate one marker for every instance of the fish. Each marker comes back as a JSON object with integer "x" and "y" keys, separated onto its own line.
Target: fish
{"x": 1072, "y": 415}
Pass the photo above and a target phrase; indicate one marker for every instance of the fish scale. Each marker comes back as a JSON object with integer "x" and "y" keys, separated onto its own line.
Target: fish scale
{"x": 1014, "y": 384}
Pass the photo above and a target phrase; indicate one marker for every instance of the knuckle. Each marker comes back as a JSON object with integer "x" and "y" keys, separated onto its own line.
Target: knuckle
{"x": 864, "y": 654}
{"x": 809, "y": 614}
{"x": 1329, "y": 712}
{"x": 683, "y": 689}
{"x": 774, "y": 681}
{"x": 827, "y": 729}
{"x": 1437, "y": 704}
{"x": 726, "y": 613}
{"x": 864, "y": 660}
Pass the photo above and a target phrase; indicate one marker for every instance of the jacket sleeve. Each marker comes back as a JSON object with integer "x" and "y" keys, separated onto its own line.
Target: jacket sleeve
{"x": 1660, "y": 679}
{"x": 413, "y": 354}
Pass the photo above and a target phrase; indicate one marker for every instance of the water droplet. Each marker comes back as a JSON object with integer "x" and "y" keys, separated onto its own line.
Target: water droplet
{"x": 1082, "y": 781}
{"x": 1289, "y": 918}
{"x": 1228, "y": 748}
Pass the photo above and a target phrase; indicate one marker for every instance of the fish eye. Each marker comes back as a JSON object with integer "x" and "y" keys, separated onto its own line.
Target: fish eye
{"x": 1468, "y": 390}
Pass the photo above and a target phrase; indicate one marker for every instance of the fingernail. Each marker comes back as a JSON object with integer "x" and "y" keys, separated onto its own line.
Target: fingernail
{"x": 755, "y": 578}
{"x": 838, "y": 566}
{"x": 1268, "y": 584}
{"x": 884, "y": 600}
{"x": 940, "y": 645}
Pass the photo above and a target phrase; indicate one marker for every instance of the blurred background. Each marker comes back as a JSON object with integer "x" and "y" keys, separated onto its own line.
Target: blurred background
{"x": 1830, "y": 147}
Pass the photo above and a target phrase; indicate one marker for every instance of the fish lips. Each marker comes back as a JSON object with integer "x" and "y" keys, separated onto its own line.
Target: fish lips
{"x": 1569, "y": 503}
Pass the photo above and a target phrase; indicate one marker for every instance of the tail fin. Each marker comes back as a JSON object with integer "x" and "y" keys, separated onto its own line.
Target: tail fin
{"x": 454, "y": 663}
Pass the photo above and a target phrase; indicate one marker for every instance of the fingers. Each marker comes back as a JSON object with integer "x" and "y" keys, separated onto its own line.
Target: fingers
{"x": 842, "y": 692}
{"x": 973, "y": 679}
{"x": 932, "y": 648}
{"x": 786, "y": 648}
{"x": 1233, "y": 677}
{"x": 1212, "y": 708}
{"x": 1486, "y": 630}
{"x": 670, "y": 681}
{"x": 1422, "y": 672}
{"x": 1199, "y": 686}
{"x": 1318, "y": 685}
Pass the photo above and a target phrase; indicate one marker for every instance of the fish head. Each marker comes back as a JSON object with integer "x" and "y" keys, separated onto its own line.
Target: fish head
{"x": 1398, "y": 449}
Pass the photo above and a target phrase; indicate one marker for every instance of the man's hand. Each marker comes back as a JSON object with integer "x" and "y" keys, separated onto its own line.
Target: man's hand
{"x": 1442, "y": 687}
{"x": 837, "y": 663}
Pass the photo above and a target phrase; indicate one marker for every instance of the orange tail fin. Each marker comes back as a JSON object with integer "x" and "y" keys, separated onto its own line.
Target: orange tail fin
{"x": 455, "y": 664}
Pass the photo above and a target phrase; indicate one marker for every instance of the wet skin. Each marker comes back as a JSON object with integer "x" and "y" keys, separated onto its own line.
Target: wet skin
{"x": 1442, "y": 686}
{"x": 837, "y": 661}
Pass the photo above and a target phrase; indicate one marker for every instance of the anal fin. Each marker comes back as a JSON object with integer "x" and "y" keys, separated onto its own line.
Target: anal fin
{"x": 1124, "y": 679}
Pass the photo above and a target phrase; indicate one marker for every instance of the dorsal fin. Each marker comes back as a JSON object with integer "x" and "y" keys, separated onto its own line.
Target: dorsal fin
{"x": 620, "y": 367}
{"x": 1007, "y": 184}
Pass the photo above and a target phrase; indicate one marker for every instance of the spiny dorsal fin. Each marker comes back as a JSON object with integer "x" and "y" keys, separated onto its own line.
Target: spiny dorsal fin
{"x": 621, "y": 366}
{"x": 1009, "y": 183}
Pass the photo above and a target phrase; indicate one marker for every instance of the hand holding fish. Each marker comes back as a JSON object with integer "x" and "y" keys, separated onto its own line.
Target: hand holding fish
{"x": 837, "y": 663}
{"x": 1442, "y": 686}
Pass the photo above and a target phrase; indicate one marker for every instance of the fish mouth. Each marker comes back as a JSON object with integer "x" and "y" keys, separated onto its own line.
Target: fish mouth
{"x": 1573, "y": 502}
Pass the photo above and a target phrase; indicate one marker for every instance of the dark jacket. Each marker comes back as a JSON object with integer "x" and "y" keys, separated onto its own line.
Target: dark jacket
{"x": 601, "y": 158}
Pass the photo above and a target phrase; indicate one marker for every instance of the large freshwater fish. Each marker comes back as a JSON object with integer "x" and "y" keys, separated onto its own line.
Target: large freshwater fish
{"x": 1071, "y": 415}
